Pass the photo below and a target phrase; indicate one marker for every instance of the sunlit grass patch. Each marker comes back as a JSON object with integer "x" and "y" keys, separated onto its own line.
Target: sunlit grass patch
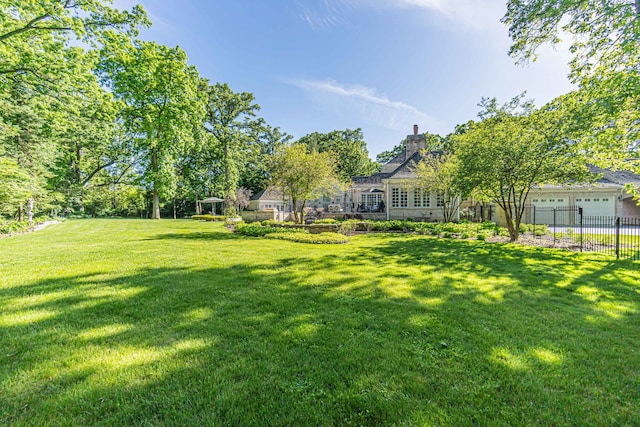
{"x": 127, "y": 322}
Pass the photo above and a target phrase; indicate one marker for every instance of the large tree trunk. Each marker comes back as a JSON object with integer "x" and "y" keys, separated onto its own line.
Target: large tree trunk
{"x": 156, "y": 195}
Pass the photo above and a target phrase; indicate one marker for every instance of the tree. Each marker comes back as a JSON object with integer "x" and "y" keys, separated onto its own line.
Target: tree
{"x": 16, "y": 185}
{"x": 434, "y": 142}
{"x": 510, "y": 150}
{"x": 606, "y": 33}
{"x": 35, "y": 34}
{"x": 606, "y": 65}
{"x": 437, "y": 173}
{"x": 243, "y": 196}
{"x": 304, "y": 176}
{"x": 387, "y": 156}
{"x": 231, "y": 125}
{"x": 349, "y": 148}
{"x": 163, "y": 110}
{"x": 258, "y": 155}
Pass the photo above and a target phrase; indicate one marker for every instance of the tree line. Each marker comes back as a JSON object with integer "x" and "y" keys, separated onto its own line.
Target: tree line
{"x": 95, "y": 121}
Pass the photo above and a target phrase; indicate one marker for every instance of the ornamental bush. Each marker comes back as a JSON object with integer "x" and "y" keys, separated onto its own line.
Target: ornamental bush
{"x": 208, "y": 217}
{"x": 321, "y": 238}
{"x": 255, "y": 229}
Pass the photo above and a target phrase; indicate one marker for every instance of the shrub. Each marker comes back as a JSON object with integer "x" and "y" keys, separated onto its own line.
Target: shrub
{"x": 208, "y": 217}
{"x": 326, "y": 221}
{"x": 488, "y": 225}
{"x": 322, "y": 238}
{"x": 481, "y": 237}
{"x": 257, "y": 230}
{"x": 11, "y": 227}
{"x": 348, "y": 227}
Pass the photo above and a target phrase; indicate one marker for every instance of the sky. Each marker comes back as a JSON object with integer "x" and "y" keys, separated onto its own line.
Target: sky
{"x": 378, "y": 65}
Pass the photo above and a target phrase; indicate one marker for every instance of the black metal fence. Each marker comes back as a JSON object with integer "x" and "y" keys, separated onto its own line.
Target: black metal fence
{"x": 570, "y": 228}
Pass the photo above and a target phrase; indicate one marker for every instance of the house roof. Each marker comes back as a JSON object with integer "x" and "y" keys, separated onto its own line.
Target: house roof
{"x": 398, "y": 167}
{"x": 270, "y": 193}
{"x": 619, "y": 177}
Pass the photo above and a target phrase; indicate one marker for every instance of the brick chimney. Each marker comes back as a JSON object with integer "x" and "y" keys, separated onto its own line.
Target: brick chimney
{"x": 415, "y": 142}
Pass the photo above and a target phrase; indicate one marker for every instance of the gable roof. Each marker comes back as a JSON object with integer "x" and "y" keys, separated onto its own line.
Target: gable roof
{"x": 398, "y": 167}
{"x": 618, "y": 177}
{"x": 270, "y": 193}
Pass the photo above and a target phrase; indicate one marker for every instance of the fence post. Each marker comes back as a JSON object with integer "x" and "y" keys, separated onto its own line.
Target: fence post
{"x": 618, "y": 237}
{"x": 580, "y": 215}
{"x": 554, "y": 226}
{"x": 534, "y": 220}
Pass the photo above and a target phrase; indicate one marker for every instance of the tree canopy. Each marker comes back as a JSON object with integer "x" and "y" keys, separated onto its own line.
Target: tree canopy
{"x": 349, "y": 149}
{"x": 304, "y": 175}
{"x": 512, "y": 149}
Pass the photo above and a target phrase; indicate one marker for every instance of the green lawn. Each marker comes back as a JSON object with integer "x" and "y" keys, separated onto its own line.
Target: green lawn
{"x": 136, "y": 322}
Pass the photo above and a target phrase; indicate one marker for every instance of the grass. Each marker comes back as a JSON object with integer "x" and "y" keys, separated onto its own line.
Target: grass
{"x": 135, "y": 322}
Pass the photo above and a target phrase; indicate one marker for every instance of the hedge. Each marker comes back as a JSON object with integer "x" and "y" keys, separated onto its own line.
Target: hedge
{"x": 209, "y": 217}
{"x": 321, "y": 238}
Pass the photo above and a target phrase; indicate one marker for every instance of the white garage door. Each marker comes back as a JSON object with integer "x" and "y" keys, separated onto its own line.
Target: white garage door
{"x": 597, "y": 206}
{"x": 543, "y": 207}
{"x": 544, "y": 202}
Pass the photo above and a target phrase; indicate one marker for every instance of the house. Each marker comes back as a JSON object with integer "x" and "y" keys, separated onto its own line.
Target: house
{"x": 270, "y": 199}
{"x": 391, "y": 193}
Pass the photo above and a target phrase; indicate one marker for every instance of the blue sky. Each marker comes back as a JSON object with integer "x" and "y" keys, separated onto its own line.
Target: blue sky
{"x": 379, "y": 65}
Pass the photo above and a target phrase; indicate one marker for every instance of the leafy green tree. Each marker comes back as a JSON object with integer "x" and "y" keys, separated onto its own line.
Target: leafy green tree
{"x": 387, "y": 156}
{"x": 605, "y": 43}
{"x": 256, "y": 161}
{"x": 34, "y": 34}
{"x": 510, "y": 150}
{"x": 163, "y": 110}
{"x": 606, "y": 33}
{"x": 349, "y": 148}
{"x": 16, "y": 185}
{"x": 434, "y": 142}
{"x": 28, "y": 139}
{"x": 304, "y": 175}
{"x": 231, "y": 125}
{"x": 437, "y": 173}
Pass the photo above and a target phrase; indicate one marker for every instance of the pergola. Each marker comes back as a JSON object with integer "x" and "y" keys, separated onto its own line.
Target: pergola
{"x": 212, "y": 200}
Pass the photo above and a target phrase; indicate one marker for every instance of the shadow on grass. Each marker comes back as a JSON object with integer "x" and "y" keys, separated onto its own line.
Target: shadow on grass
{"x": 406, "y": 331}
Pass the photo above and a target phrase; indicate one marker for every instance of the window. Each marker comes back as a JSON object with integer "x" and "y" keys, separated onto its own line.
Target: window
{"x": 398, "y": 198}
{"x": 421, "y": 198}
{"x": 535, "y": 200}
{"x": 578, "y": 200}
{"x": 560, "y": 200}
{"x": 552, "y": 200}
{"x": 587, "y": 200}
{"x": 596, "y": 200}
{"x": 543, "y": 200}
{"x": 371, "y": 201}
{"x": 605, "y": 200}
{"x": 439, "y": 200}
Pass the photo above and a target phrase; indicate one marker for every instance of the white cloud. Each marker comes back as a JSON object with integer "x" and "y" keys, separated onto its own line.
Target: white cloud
{"x": 324, "y": 14}
{"x": 365, "y": 103}
{"x": 475, "y": 14}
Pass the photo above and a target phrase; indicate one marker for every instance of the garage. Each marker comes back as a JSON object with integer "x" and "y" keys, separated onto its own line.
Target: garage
{"x": 597, "y": 205}
{"x": 543, "y": 210}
